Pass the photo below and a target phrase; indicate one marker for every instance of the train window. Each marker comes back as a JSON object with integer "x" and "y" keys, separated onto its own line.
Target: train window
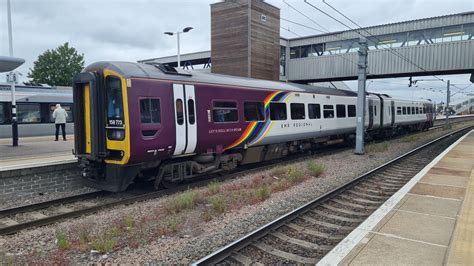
{"x": 254, "y": 111}
{"x": 2, "y": 113}
{"x": 328, "y": 111}
{"x": 404, "y": 110}
{"x": 314, "y": 111}
{"x": 413, "y": 110}
{"x": 399, "y": 110}
{"x": 340, "y": 110}
{"x": 28, "y": 113}
{"x": 66, "y": 107}
{"x": 297, "y": 111}
{"x": 114, "y": 101}
{"x": 225, "y": 112}
{"x": 424, "y": 110}
{"x": 278, "y": 111}
{"x": 351, "y": 110}
{"x": 179, "y": 112}
{"x": 150, "y": 112}
{"x": 191, "y": 112}
{"x": 375, "y": 110}
{"x": 408, "y": 110}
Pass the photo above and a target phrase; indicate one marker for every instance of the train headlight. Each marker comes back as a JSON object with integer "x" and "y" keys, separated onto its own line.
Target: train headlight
{"x": 116, "y": 134}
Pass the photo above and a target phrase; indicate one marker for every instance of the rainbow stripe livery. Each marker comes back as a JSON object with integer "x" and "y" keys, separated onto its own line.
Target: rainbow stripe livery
{"x": 257, "y": 130}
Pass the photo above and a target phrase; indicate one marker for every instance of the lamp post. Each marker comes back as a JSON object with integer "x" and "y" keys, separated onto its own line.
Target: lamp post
{"x": 8, "y": 64}
{"x": 177, "y": 34}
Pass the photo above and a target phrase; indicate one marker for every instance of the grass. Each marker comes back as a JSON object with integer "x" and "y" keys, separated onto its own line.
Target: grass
{"x": 315, "y": 169}
{"x": 183, "y": 201}
{"x": 214, "y": 187}
{"x": 377, "y": 147}
{"x": 62, "y": 239}
{"x": 262, "y": 193}
{"x": 295, "y": 174}
{"x": 104, "y": 244}
{"x": 218, "y": 203}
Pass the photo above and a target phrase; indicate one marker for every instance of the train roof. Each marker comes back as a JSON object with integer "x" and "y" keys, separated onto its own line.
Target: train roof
{"x": 140, "y": 70}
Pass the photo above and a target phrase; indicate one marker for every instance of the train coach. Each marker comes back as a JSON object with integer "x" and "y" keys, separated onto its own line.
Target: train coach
{"x": 153, "y": 122}
{"x": 35, "y": 106}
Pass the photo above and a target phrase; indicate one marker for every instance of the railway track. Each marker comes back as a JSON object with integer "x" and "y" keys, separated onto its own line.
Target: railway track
{"x": 306, "y": 234}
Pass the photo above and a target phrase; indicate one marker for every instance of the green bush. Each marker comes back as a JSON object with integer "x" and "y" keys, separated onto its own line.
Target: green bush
{"x": 62, "y": 239}
{"x": 214, "y": 187}
{"x": 315, "y": 169}
{"x": 262, "y": 193}
{"x": 295, "y": 174}
{"x": 184, "y": 201}
{"x": 103, "y": 244}
{"x": 218, "y": 203}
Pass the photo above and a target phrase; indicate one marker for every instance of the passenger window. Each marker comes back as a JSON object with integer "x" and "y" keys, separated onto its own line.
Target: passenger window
{"x": 408, "y": 110}
{"x": 179, "y": 112}
{"x": 351, "y": 111}
{"x": 399, "y": 110}
{"x": 278, "y": 111}
{"x": 404, "y": 110}
{"x": 150, "y": 111}
{"x": 341, "y": 111}
{"x": 224, "y": 112}
{"x": 328, "y": 111}
{"x": 192, "y": 116}
{"x": 424, "y": 110}
{"x": 2, "y": 113}
{"x": 375, "y": 110}
{"x": 297, "y": 111}
{"x": 412, "y": 110}
{"x": 28, "y": 113}
{"x": 254, "y": 111}
{"x": 314, "y": 111}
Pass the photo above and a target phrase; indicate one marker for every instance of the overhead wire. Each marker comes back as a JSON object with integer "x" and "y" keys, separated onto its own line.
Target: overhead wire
{"x": 393, "y": 51}
{"x": 325, "y": 31}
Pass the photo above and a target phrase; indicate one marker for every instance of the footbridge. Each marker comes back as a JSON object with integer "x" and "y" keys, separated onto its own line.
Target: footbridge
{"x": 430, "y": 46}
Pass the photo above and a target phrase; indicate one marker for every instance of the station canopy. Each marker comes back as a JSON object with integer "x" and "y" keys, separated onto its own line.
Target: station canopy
{"x": 8, "y": 63}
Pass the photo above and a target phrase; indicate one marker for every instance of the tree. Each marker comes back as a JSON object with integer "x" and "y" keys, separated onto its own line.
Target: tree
{"x": 57, "y": 67}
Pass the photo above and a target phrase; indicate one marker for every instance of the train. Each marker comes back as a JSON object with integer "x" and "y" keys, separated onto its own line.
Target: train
{"x": 141, "y": 122}
{"x": 35, "y": 106}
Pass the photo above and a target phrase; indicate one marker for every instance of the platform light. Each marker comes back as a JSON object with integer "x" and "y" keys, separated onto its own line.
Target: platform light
{"x": 187, "y": 29}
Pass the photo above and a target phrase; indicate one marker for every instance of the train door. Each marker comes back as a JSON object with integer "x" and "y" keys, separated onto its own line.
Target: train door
{"x": 371, "y": 113}
{"x": 185, "y": 119}
{"x": 392, "y": 112}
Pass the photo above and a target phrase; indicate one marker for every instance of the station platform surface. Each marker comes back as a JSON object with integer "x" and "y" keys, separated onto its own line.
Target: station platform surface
{"x": 430, "y": 221}
{"x": 35, "y": 151}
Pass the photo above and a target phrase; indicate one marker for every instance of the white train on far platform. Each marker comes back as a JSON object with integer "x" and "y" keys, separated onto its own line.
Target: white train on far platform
{"x": 35, "y": 105}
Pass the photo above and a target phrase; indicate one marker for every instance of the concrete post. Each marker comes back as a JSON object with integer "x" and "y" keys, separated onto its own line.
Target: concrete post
{"x": 12, "y": 78}
{"x": 360, "y": 111}
{"x": 446, "y": 110}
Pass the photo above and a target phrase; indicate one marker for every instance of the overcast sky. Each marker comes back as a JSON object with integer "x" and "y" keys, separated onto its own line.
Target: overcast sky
{"x": 132, "y": 30}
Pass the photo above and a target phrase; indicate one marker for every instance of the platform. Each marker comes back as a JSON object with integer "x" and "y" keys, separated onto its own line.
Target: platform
{"x": 430, "y": 221}
{"x": 35, "y": 151}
